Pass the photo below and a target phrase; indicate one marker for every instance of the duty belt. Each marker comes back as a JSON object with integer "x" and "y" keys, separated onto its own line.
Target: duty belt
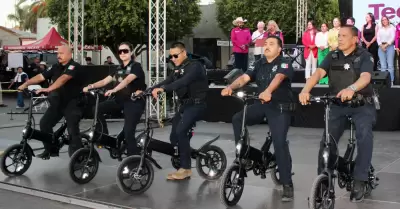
{"x": 192, "y": 101}
{"x": 358, "y": 102}
{"x": 287, "y": 107}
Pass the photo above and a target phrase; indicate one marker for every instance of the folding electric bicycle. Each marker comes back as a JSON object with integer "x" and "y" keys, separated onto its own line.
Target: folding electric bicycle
{"x": 84, "y": 163}
{"x": 247, "y": 158}
{"x": 322, "y": 194}
{"x": 21, "y": 154}
{"x": 135, "y": 174}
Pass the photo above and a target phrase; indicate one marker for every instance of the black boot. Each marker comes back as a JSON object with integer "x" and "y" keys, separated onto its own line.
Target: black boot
{"x": 357, "y": 194}
{"x": 287, "y": 195}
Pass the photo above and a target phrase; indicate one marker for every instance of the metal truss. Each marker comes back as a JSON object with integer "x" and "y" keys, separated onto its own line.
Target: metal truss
{"x": 76, "y": 22}
{"x": 157, "y": 48}
{"x": 301, "y": 19}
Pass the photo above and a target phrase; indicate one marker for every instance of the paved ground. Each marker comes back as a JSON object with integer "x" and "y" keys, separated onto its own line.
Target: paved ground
{"x": 12, "y": 200}
{"x": 52, "y": 175}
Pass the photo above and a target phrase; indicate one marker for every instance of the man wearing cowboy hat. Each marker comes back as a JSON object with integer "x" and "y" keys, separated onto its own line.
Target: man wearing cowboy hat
{"x": 241, "y": 38}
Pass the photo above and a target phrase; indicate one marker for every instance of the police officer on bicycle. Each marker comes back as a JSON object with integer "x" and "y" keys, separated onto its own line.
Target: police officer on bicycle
{"x": 273, "y": 75}
{"x": 128, "y": 78}
{"x": 190, "y": 82}
{"x": 349, "y": 69}
{"x": 64, "y": 100}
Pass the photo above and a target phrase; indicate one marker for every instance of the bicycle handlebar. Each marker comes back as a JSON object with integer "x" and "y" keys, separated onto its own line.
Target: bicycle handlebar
{"x": 324, "y": 98}
{"x": 244, "y": 96}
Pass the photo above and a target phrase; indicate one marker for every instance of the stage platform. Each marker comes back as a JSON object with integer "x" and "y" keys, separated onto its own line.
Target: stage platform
{"x": 50, "y": 179}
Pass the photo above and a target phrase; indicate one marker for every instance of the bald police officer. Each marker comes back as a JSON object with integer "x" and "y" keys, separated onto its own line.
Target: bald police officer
{"x": 273, "y": 75}
{"x": 349, "y": 69}
{"x": 63, "y": 98}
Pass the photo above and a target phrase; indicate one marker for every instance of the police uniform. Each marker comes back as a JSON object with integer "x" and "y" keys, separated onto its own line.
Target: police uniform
{"x": 133, "y": 110}
{"x": 64, "y": 103}
{"x": 190, "y": 83}
{"x": 343, "y": 71}
{"x": 277, "y": 111}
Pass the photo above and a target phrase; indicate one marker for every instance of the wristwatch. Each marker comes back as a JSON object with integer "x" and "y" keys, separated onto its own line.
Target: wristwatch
{"x": 353, "y": 88}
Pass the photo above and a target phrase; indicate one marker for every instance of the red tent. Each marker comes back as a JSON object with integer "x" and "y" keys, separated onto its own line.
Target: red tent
{"x": 51, "y": 41}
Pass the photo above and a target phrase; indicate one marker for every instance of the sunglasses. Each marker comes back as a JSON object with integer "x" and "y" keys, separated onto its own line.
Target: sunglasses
{"x": 125, "y": 51}
{"x": 174, "y": 55}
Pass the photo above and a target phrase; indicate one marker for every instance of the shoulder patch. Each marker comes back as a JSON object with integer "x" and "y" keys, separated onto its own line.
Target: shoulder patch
{"x": 284, "y": 65}
{"x": 71, "y": 67}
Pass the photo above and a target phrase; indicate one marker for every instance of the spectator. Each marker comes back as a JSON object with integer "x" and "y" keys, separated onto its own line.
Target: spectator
{"x": 19, "y": 79}
{"x": 310, "y": 49}
{"x": 258, "y": 34}
{"x": 109, "y": 60}
{"x": 368, "y": 37}
{"x": 333, "y": 34}
{"x": 43, "y": 68}
{"x": 352, "y": 21}
{"x": 241, "y": 38}
{"x": 89, "y": 60}
{"x": 273, "y": 30}
{"x": 321, "y": 41}
{"x": 397, "y": 43}
{"x": 385, "y": 38}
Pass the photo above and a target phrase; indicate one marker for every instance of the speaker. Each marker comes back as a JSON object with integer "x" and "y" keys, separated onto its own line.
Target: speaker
{"x": 233, "y": 75}
{"x": 381, "y": 79}
{"x": 345, "y": 10}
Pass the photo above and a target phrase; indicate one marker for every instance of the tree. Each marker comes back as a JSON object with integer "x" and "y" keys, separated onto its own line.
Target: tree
{"x": 283, "y": 12}
{"x": 38, "y": 9}
{"x": 110, "y": 22}
{"x": 20, "y": 14}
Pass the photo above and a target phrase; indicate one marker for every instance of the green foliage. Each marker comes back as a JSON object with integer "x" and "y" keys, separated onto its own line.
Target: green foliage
{"x": 283, "y": 12}
{"x": 323, "y": 11}
{"x": 110, "y": 22}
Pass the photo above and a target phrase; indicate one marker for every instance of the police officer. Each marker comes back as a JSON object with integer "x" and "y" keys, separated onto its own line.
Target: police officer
{"x": 349, "y": 70}
{"x": 129, "y": 78}
{"x": 63, "y": 98}
{"x": 190, "y": 83}
{"x": 272, "y": 75}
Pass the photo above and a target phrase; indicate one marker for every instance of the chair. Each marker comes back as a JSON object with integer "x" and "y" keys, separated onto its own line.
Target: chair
{"x": 42, "y": 100}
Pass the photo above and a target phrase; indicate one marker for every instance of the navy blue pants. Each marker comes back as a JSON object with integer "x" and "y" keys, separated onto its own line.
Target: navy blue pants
{"x": 56, "y": 111}
{"x": 279, "y": 125}
{"x": 364, "y": 118}
{"x": 133, "y": 110}
{"x": 241, "y": 60}
{"x": 182, "y": 122}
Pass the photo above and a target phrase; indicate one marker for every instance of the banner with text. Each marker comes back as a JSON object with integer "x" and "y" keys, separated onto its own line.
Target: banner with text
{"x": 379, "y": 8}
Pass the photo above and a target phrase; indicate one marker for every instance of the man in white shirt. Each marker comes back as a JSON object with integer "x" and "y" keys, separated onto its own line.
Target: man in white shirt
{"x": 258, "y": 34}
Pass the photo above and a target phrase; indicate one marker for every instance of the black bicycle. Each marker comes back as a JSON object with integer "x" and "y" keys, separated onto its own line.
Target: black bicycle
{"x": 84, "y": 163}
{"x": 322, "y": 194}
{"x": 247, "y": 158}
{"x": 20, "y": 155}
{"x": 135, "y": 174}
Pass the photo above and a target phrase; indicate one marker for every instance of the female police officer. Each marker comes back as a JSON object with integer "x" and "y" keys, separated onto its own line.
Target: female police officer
{"x": 273, "y": 76}
{"x": 129, "y": 77}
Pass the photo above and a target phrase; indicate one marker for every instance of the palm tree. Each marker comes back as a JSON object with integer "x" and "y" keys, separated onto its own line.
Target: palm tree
{"x": 20, "y": 14}
{"x": 38, "y": 9}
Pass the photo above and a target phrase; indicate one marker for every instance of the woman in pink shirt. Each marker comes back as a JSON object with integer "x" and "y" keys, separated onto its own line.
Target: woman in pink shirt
{"x": 397, "y": 43}
{"x": 241, "y": 38}
{"x": 310, "y": 50}
{"x": 273, "y": 30}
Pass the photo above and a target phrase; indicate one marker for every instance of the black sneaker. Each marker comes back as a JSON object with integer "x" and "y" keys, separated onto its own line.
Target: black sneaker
{"x": 287, "y": 195}
{"x": 46, "y": 155}
{"x": 357, "y": 194}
